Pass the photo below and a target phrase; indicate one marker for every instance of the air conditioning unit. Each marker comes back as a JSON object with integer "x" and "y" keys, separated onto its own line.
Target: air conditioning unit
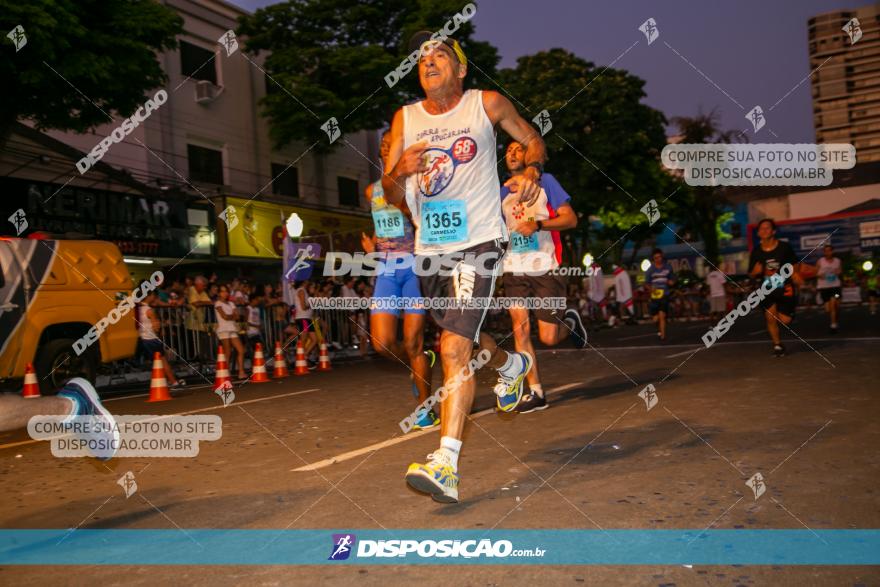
{"x": 207, "y": 92}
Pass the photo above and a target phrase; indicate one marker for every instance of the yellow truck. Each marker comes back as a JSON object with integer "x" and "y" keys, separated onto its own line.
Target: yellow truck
{"x": 55, "y": 299}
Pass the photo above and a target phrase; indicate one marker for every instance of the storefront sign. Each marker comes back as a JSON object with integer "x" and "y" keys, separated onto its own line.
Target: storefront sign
{"x": 260, "y": 229}
{"x": 138, "y": 224}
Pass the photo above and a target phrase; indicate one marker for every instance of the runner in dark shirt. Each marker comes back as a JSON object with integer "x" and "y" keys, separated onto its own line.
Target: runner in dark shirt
{"x": 768, "y": 261}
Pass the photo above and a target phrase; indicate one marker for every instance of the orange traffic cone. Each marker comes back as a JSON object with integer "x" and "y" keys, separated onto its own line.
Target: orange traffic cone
{"x": 324, "y": 359}
{"x": 301, "y": 367}
{"x": 280, "y": 366}
{"x": 31, "y": 387}
{"x": 158, "y": 385}
{"x": 259, "y": 375}
{"x": 221, "y": 375}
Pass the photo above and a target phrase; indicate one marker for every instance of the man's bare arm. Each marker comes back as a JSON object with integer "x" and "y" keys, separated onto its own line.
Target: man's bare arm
{"x": 502, "y": 112}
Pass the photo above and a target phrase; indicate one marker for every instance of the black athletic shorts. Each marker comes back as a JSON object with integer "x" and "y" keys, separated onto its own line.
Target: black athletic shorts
{"x": 784, "y": 298}
{"x": 829, "y": 292}
{"x": 537, "y": 286}
{"x": 659, "y": 305}
{"x": 464, "y": 282}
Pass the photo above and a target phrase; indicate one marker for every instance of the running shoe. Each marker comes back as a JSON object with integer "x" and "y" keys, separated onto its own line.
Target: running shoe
{"x": 532, "y": 403}
{"x": 779, "y": 350}
{"x": 177, "y": 389}
{"x": 578, "y": 331}
{"x": 104, "y": 435}
{"x": 426, "y": 421}
{"x": 437, "y": 477}
{"x": 509, "y": 391}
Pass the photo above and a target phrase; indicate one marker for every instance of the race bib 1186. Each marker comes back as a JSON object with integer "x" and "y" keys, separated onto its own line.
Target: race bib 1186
{"x": 389, "y": 223}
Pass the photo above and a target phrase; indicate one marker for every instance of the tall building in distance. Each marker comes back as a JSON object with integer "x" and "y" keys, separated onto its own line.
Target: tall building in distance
{"x": 846, "y": 86}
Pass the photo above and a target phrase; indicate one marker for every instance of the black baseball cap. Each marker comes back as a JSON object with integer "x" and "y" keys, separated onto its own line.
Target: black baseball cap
{"x": 419, "y": 38}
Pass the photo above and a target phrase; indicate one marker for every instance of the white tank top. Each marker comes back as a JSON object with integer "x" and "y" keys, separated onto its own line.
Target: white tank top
{"x": 145, "y": 325}
{"x": 301, "y": 312}
{"x": 454, "y": 203}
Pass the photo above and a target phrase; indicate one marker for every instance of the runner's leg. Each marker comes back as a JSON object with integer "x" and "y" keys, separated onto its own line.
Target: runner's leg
{"x": 413, "y": 344}
{"x": 16, "y": 411}
{"x": 522, "y": 340}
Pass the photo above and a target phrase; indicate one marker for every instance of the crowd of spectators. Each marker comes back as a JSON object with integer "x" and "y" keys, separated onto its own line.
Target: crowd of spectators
{"x": 216, "y": 307}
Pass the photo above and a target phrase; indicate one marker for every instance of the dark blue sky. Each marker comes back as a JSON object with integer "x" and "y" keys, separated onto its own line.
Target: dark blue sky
{"x": 754, "y": 50}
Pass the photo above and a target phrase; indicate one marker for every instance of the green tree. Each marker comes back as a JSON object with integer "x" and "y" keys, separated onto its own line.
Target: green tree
{"x": 106, "y": 51}
{"x": 604, "y": 145}
{"x": 330, "y": 58}
{"x": 703, "y": 209}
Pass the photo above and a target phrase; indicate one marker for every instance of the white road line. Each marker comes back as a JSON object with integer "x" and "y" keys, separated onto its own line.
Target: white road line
{"x": 161, "y": 417}
{"x": 681, "y": 354}
{"x": 409, "y": 436}
{"x": 639, "y": 336}
{"x": 691, "y": 345}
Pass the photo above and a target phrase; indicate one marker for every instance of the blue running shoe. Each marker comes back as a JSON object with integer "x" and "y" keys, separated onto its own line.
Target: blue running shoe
{"x": 437, "y": 477}
{"x": 509, "y": 391}
{"x": 104, "y": 439}
{"x": 426, "y": 421}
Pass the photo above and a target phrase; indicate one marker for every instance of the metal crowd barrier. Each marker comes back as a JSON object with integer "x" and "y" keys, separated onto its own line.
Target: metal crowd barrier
{"x": 193, "y": 340}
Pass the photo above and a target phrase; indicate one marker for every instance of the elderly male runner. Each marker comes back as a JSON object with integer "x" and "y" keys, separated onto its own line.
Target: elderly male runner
{"x": 442, "y": 161}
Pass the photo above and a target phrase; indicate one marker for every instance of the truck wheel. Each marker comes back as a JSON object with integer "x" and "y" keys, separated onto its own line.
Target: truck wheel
{"x": 57, "y": 362}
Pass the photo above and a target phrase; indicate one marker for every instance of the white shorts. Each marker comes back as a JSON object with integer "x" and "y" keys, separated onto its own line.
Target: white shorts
{"x": 718, "y": 303}
{"x": 226, "y": 335}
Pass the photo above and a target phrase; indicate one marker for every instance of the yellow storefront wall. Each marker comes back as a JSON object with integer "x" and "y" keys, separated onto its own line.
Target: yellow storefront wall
{"x": 260, "y": 230}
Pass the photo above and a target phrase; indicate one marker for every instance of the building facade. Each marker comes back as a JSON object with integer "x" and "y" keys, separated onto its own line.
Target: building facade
{"x": 206, "y": 147}
{"x": 846, "y": 81}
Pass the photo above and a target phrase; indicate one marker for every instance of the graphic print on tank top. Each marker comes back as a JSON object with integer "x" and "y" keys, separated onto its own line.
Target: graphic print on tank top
{"x": 454, "y": 200}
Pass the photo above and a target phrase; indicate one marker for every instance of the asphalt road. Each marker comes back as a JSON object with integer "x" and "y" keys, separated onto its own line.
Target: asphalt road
{"x": 324, "y": 451}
